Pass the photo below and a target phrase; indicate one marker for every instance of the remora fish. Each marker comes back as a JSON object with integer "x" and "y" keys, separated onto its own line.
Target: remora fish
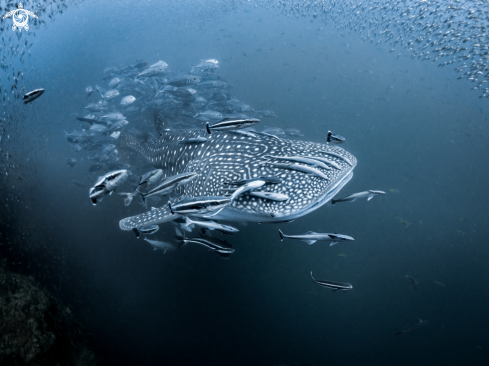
{"x": 146, "y": 180}
{"x": 311, "y": 237}
{"x": 199, "y": 205}
{"x": 221, "y": 247}
{"x": 145, "y": 230}
{"x": 248, "y": 187}
{"x": 211, "y": 225}
{"x": 229, "y": 157}
{"x": 268, "y": 180}
{"x": 301, "y": 168}
{"x": 334, "y": 285}
{"x": 231, "y": 124}
{"x": 194, "y": 140}
{"x": 29, "y": 97}
{"x": 169, "y": 184}
{"x": 352, "y": 197}
{"x": 106, "y": 184}
{"x": 273, "y": 196}
{"x": 157, "y": 244}
{"x": 301, "y": 159}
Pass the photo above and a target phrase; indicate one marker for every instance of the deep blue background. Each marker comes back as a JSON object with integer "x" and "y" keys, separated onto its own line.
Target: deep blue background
{"x": 414, "y": 128}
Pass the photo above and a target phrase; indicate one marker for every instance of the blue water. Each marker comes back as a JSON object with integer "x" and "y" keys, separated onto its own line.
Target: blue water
{"x": 418, "y": 133}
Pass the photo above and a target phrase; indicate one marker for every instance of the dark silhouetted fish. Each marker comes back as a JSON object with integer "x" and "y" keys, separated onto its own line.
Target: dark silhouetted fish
{"x": 29, "y": 97}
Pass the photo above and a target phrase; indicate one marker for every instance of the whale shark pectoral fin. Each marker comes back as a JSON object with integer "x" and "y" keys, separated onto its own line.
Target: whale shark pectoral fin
{"x": 369, "y": 198}
{"x": 333, "y": 243}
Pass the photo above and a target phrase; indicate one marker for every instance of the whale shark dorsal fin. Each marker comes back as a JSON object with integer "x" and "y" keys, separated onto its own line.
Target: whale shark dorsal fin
{"x": 311, "y": 233}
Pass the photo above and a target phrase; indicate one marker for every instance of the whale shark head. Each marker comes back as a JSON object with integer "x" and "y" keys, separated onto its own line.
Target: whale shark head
{"x": 229, "y": 157}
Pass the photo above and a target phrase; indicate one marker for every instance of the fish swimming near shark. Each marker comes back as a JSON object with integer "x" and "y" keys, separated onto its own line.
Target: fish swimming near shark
{"x": 229, "y": 157}
{"x": 353, "y": 197}
{"x": 311, "y": 237}
{"x": 30, "y": 96}
{"x": 335, "y": 286}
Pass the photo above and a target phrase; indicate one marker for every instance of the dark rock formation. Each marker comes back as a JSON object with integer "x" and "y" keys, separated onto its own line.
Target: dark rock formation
{"x": 35, "y": 329}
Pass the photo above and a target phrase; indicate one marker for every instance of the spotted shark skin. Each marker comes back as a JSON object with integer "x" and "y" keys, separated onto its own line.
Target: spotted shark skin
{"x": 228, "y": 157}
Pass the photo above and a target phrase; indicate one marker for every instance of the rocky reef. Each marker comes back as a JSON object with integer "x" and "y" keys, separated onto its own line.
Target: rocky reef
{"x": 35, "y": 328}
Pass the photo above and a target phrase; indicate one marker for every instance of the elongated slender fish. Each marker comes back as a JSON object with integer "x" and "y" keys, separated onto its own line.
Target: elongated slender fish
{"x": 29, "y": 97}
{"x": 311, "y": 237}
{"x": 301, "y": 159}
{"x": 221, "y": 247}
{"x": 229, "y": 157}
{"x": 268, "y": 180}
{"x": 145, "y": 230}
{"x": 353, "y": 197}
{"x": 231, "y": 124}
{"x": 211, "y": 225}
{"x": 106, "y": 184}
{"x": 250, "y": 186}
{"x": 169, "y": 184}
{"x": 163, "y": 245}
{"x": 327, "y": 161}
{"x": 301, "y": 168}
{"x": 414, "y": 327}
{"x": 336, "y": 155}
{"x": 272, "y": 196}
{"x": 146, "y": 180}
{"x": 342, "y": 286}
{"x": 193, "y": 140}
{"x": 199, "y": 205}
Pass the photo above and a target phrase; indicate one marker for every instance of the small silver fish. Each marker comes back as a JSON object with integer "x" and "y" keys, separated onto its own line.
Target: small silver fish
{"x": 353, "y": 197}
{"x": 333, "y": 285}
{"x": 127, "y": 101}
{"x": 111, "y": 94}
{"x": 311, "y": 237}
{"x": 114, "y": 82}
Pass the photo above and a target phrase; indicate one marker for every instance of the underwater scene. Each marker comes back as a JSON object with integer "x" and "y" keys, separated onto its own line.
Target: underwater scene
{"x": 244, "y": 182}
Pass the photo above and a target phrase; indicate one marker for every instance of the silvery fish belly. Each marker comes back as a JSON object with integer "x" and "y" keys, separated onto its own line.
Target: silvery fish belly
{"x": 228, "y": 157}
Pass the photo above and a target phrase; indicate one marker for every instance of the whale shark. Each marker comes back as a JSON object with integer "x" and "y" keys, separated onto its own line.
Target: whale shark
{"x": 223, "y": 159}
